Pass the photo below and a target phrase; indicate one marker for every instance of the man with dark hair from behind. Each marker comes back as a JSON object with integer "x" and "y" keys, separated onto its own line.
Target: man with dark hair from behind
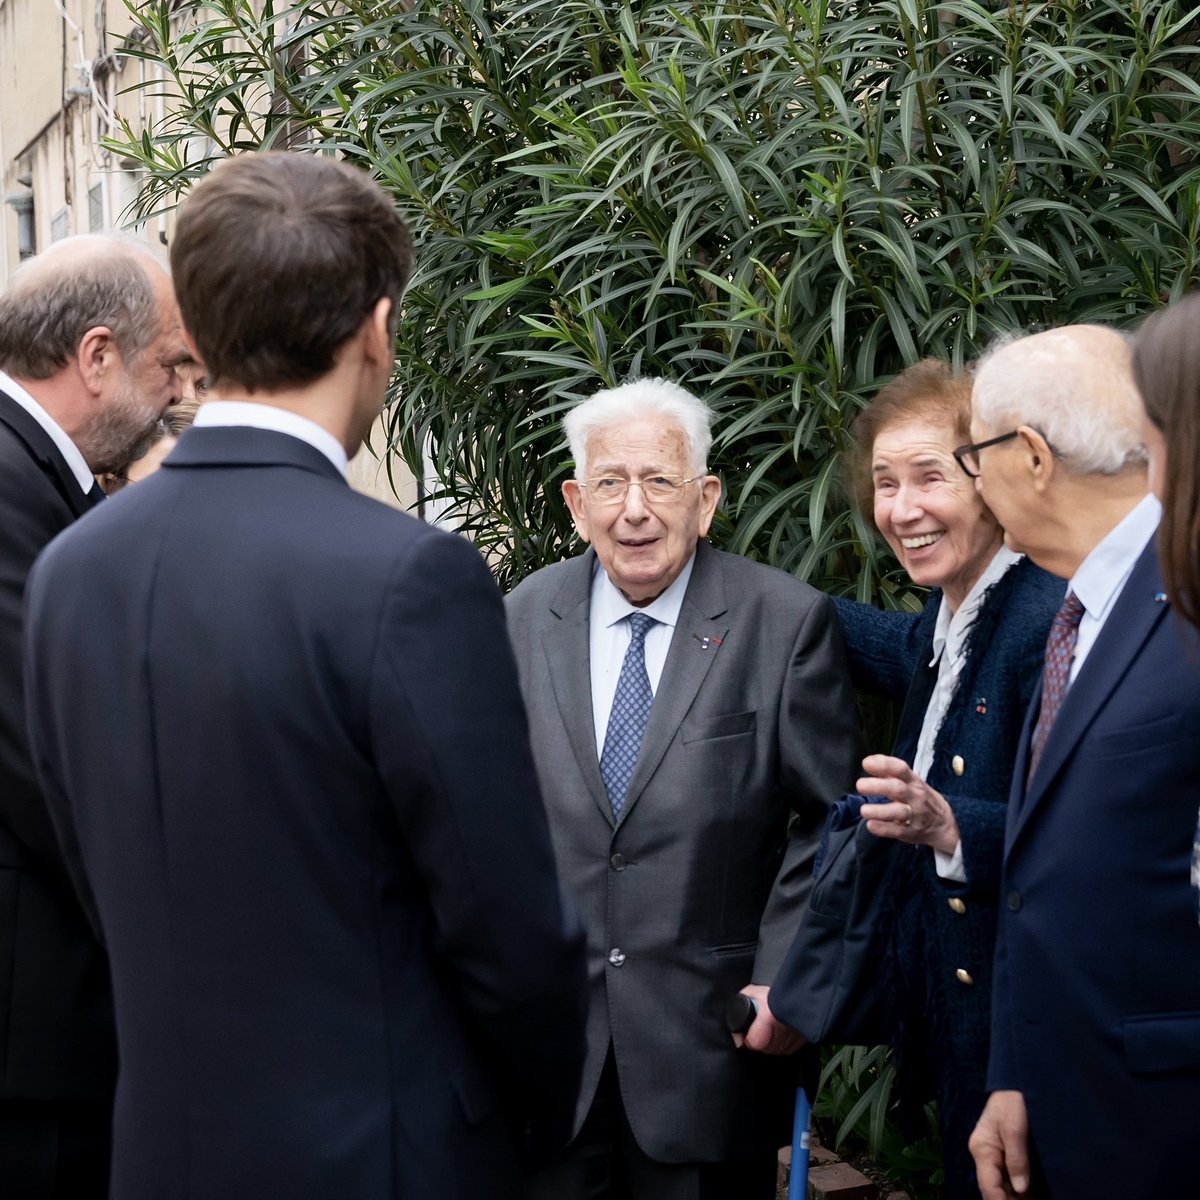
{"x": 89, "y": 336}
{"x": 307, "y": 814}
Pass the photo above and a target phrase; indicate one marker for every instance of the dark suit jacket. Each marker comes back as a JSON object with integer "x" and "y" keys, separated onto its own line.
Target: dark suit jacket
{"x": 698, "y": 886}
{"x": 310, "y": 822}
{"x": 56, "y": 1029}
{"x": 1096, "y": 1015}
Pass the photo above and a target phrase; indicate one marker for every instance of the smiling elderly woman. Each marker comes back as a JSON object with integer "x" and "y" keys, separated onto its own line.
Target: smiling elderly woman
{"x": 965, "y": 668}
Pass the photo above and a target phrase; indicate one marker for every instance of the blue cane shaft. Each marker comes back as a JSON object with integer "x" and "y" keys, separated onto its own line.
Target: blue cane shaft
{"x": 798, "y": 1180}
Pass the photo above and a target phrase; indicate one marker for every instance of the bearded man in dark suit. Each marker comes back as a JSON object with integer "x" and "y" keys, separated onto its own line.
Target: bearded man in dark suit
{"x": 692, "y": 718}
{"x": 89, "y": 336}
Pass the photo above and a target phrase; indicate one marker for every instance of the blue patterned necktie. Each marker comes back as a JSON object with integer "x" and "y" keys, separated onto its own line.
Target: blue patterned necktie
{"x": 627, "y": 721}
{"x": 1060, "y": 650}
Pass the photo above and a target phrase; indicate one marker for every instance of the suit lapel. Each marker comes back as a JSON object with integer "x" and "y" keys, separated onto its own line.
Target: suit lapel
{"x": 694, "y": 647}
{"x": 43, "y": 451}
{"x": 1133, "y": 618}
{"x": 566, "y": 643}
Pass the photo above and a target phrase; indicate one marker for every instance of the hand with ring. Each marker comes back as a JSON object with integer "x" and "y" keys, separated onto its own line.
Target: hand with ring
{"x": 907, "y": 808}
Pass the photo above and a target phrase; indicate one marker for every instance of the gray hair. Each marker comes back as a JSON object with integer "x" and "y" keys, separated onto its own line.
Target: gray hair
{"x": 46, "y": 311}
{"x": 641, "y": 398}
{"x": 1075, "y": 386}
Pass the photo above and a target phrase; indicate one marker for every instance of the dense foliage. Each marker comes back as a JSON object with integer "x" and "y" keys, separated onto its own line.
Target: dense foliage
{"x": 778, "y": 203}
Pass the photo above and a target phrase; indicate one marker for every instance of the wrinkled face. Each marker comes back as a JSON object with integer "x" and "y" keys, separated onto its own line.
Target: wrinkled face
{"x": 1156, "y": 448}
{"x": 642, "y": 545}
{"x": 137, "y": 392}
{"x": 928, "y": 510}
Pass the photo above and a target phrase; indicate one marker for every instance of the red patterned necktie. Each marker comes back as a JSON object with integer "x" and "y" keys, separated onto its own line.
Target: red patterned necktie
{"x": 1060, "y": 650}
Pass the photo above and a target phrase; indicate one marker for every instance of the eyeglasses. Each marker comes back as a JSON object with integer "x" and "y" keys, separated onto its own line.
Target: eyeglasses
{"x": 657, "y": 489}
{"x": 967, "y": 456}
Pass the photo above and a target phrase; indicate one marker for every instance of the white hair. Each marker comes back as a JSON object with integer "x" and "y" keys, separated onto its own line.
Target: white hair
{"x": 1074, "y": 386}
{"x": 640, "y": 398}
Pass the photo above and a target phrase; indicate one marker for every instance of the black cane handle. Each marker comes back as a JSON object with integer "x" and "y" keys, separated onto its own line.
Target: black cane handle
{"x": 740, "y": 1012}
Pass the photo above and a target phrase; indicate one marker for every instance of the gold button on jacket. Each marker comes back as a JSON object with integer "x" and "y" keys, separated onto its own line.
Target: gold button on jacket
{"x": 956, "y": 905}
{"x": 963, "y": 977}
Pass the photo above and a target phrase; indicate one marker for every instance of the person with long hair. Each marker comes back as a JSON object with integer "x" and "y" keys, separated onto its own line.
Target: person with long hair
{"x": 1166, "y": 366}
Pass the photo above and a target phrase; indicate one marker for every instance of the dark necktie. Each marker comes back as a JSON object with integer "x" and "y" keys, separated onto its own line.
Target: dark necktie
{"x": 95, "y": 494}
{"x": 627, "y": 721}
{"x": 1060, "y": 650}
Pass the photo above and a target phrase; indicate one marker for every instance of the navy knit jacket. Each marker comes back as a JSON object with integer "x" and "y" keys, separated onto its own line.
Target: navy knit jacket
{"x": 939, "y": 963}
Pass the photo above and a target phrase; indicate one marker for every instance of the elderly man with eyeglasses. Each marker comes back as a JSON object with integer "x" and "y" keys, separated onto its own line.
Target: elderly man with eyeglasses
{"x": 691, "y": 718}
{"x": 1094, "y": 1069}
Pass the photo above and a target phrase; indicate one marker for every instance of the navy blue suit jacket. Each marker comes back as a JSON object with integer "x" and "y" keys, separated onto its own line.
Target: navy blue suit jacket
{"x": 1096, "y": 1016}
{"x": 307, "y": 821}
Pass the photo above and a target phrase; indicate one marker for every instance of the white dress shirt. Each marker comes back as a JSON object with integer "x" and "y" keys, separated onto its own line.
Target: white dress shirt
{"x": 609, "y": 636}
{"x": 1103, "y": 574}
{"x": 71, "y": 453}
{"x": 949, "y": 643}
{"x": 267, "y": 416}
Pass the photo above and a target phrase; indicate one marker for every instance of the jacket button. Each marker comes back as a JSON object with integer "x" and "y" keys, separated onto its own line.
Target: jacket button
{"x": 964, "y": 977}
{"x": 617, "y": 862}
{"x": 956, "y": 905}
{"x": 957, "y": 765}
{"x": 616, "y": 957}
{"x": 1014, "y": 901}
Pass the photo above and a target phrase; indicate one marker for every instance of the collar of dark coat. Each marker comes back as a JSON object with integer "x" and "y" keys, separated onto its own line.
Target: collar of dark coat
{"x": 246, "y": 446}
{"x": 41, "y": 448}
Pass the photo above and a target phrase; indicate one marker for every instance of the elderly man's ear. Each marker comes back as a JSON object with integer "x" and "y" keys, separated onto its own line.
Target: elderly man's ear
{"x": 573, "y": 495}
{"x": 1036, "y": 456}
{"x": 710, "y": 497}
{"x": 96, "y": 356}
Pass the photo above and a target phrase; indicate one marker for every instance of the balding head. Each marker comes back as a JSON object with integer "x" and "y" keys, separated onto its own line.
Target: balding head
{"x": 1062, "y": 461}
{"x": 78, "y": 284}
{"x": 91, "y": 330}
{"x": 1075, "y": 385}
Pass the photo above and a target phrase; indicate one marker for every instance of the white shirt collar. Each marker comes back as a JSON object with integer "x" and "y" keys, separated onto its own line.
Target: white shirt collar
{"x": 951, "y": 628}
{"x": 1103, "y": 573}
{"x": 609, "y": 606}
{"x": 71, "y": 453}
{"x": 268, "y": 416}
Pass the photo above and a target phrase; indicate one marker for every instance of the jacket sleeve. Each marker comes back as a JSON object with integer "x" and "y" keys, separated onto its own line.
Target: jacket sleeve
{"x": 1002, "y": 1066}
{"x": 820, "y": 749}
{"x": 883, "y": 648}
{"x": 31, "y": 521}
{"x": 465, "y": 791}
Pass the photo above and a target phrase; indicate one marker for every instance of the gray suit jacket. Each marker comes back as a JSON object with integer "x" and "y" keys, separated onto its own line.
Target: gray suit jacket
{"x": 697, "y": 890}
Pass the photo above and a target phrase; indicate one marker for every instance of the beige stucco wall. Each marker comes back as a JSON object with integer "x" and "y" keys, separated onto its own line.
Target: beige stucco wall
{"x": 63, "y": 84}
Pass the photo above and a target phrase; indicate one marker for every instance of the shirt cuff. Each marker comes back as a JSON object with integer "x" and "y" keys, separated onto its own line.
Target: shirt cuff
{"x": 950, "y": 866}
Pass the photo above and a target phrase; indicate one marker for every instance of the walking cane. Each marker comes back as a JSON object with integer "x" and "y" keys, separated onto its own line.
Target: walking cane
{"x": 739, "y": 1016}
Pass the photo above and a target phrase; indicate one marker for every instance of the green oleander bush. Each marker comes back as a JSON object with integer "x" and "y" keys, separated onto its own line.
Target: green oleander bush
{"x": 779, "y": 204}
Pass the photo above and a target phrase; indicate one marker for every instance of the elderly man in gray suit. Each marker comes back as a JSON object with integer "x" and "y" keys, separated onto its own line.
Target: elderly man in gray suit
{"x": 691, "y": 717}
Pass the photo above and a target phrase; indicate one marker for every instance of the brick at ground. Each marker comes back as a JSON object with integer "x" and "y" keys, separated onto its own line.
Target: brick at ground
{"x": 818, "y": 1156}
{"x": 840, "y": 1181}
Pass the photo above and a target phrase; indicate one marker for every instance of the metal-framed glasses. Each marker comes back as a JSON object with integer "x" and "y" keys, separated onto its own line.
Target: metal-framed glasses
{"x": 657, "y": 489}
{"x": 967, "y": 456}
